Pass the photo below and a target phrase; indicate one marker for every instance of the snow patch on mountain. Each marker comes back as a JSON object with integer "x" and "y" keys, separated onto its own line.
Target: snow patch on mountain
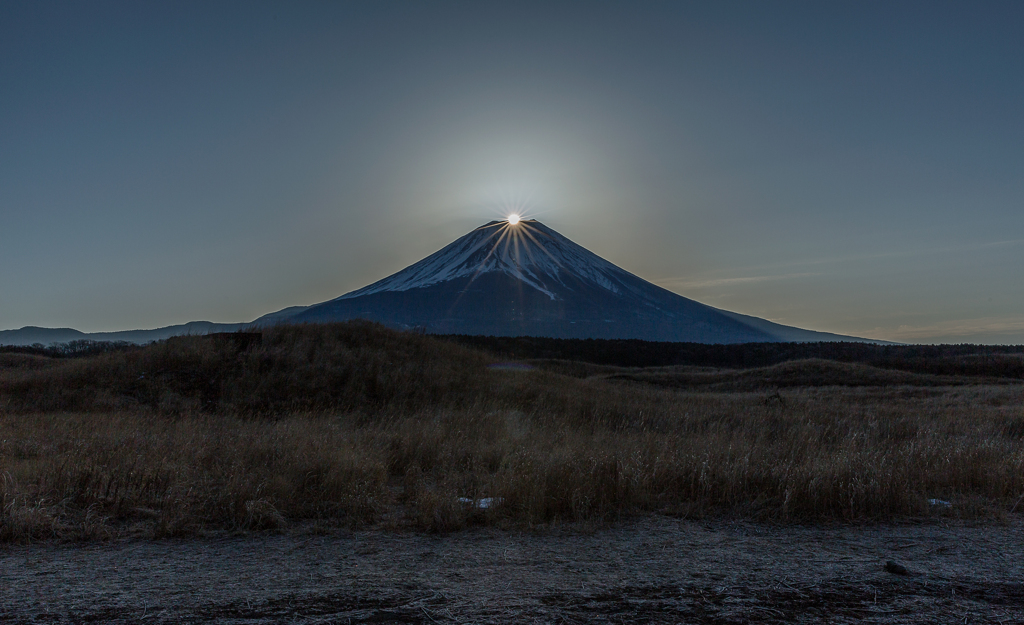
{"x": 529, "y": 251}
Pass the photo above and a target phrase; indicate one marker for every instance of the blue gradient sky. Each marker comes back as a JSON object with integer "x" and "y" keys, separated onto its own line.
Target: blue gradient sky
{"x": 848, "y": 167}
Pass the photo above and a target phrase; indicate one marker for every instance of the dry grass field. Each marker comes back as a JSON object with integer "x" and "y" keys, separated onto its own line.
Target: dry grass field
{"x": 354, "y": 425}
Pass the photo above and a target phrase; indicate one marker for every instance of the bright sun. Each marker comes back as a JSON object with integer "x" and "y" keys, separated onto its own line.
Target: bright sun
{"x": 513, "y": 219}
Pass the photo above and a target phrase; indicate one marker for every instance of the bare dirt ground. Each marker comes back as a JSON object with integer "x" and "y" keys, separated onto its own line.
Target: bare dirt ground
{"x": 650, "y": 570}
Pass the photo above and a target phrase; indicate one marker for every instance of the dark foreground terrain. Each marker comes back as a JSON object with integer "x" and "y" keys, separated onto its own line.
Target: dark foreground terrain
{"x": 652, "y": 570}
{"x": 339, "y": 474}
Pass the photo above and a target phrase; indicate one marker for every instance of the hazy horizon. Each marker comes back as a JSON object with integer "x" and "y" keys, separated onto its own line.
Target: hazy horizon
{"x": 851, "y": 168}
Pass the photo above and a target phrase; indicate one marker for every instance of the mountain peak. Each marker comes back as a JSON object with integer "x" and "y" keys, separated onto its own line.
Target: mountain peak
{"x": 530, "y": 252}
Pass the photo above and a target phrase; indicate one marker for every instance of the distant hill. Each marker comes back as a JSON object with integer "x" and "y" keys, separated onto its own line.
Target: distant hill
{"x": 30, "y": 335}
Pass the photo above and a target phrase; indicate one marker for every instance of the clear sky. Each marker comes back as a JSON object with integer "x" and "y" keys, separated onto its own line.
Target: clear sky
{"x": 848, "y": 167}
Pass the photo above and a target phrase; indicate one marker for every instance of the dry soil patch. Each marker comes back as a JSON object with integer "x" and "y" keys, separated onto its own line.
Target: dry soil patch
{"x": 654, "y": 570}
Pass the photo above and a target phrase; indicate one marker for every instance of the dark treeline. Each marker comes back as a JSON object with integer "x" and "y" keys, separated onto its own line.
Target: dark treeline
{"x": 72, "y": 349}
{"x": 1003, "y": 361}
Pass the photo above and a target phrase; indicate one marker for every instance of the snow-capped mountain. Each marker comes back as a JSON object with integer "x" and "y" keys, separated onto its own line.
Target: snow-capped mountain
{"x": 526, "y": 279}
{"x": 506, "y": 280}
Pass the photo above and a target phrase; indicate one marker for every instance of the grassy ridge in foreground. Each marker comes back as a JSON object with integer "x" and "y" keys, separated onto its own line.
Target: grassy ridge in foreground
{"x": 350, "y": 366}
{"x": 996, "y": 361}
{"x": 793, "y": 374}
{"x": 355, "y": 424}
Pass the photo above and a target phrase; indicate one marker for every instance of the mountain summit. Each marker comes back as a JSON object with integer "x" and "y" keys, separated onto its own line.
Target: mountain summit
{"x": 528, "y": 280}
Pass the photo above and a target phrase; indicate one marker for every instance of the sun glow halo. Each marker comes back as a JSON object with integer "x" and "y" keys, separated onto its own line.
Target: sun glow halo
{"x": 513, "y": 219}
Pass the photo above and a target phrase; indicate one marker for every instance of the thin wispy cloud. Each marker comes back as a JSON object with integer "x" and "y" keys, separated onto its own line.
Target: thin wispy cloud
{"x": 1003, "y": 243}
{"x": 854, "y": 258}
{"x": 689, "y": 283}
